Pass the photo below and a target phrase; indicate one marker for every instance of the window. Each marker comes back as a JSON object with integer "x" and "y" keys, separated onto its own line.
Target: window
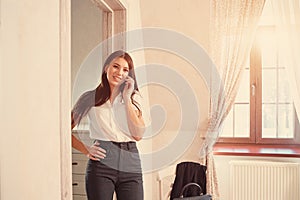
{"x": 263, "y": 112}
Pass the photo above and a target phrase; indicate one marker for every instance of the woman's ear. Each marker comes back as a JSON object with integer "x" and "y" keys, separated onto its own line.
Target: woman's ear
{"x": 105, "y": 69}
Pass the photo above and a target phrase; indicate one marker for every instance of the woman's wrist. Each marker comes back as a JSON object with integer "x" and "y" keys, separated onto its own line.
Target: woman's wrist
{"x": 86, "y": 151}
{"x": 127, "y": 100}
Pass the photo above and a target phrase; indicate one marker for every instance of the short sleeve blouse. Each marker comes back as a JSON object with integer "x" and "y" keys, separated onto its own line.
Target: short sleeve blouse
{"x": 108, "y": 122}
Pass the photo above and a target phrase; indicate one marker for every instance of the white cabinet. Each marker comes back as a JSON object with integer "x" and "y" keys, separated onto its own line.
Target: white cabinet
{"x": 79, "y": 197}
{"x": 79, "y": 162}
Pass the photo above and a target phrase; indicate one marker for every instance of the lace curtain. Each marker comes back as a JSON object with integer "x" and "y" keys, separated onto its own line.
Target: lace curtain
{"x": 233, "y": 25}
{"x": 287, "y": 21}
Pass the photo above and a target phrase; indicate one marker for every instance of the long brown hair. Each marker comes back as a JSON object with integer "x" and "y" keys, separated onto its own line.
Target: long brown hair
{"x": 102, "y": 93}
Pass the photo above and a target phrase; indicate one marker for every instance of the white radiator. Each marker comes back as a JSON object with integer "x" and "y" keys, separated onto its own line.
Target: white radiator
{"x": 260, "y": 180}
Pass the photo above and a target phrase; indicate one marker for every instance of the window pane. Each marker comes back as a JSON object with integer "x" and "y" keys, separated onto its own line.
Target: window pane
{"x": 228, "y": 125}
{"x": 269, "y": 121}
{"x": 241, "y": 120}
{"x": 269, "y": 55}
{"x": 269, "y": 86}
{"x": 243, "y": 93}
{"x": 284, "y": 95}
{"x": 268, "y": 48}
{"x": 286, "y": 121}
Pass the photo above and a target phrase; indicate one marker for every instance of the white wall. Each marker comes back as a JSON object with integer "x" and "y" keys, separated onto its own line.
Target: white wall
{"x": 86, "y": 34}
{"x": 30, "y": 101}
{"x": 223, "y": 170}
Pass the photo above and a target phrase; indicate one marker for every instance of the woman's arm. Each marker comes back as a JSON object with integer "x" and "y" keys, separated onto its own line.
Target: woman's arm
{"x": 135, "y": 120}
{"x": 94, "y": 152}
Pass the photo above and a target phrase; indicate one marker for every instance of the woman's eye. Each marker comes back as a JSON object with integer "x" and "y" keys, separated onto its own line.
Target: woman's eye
{"x": 126, "y": 70}
{"x": 115, "y": 66}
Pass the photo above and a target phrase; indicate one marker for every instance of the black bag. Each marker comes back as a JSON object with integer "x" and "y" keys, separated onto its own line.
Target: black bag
{"x": 200, "y": 197}
{"x": 189, "y": 172}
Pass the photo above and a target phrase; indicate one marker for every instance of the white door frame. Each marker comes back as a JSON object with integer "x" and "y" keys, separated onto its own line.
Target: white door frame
{"x": 114, "y": 19}
{"x": 113, "y": 22}
{"x": 65, "y": 99}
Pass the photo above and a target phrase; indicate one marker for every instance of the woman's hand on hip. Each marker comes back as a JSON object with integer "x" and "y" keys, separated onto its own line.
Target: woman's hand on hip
{"x": 96, "y": 152}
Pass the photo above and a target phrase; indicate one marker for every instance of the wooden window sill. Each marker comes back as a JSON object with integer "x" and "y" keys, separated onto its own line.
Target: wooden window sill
{"x": 257, "y": 150}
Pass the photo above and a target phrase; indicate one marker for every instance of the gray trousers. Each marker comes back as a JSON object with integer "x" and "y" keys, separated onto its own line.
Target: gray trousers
{"x": 120, "y": 172}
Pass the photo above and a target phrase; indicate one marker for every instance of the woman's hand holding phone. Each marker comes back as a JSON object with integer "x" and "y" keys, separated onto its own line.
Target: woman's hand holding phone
{"x": 127, "y": 88}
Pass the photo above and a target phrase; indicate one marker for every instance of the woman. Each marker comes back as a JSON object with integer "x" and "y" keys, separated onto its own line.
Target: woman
{"x": 116, "y": 123}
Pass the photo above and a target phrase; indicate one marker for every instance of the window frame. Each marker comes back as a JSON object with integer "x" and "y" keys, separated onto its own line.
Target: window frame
{"x": 255, "y": 84}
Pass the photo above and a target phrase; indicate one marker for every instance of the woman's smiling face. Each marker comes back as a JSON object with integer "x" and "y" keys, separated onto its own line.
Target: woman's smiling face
{"x": 116, "y": 71}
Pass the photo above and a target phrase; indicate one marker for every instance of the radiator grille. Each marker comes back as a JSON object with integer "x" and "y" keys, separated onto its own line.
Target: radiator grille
{"x": 260, "y": 180}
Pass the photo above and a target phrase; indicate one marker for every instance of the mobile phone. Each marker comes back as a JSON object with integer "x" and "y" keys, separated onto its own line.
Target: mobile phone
{"x": 122, "y": 86}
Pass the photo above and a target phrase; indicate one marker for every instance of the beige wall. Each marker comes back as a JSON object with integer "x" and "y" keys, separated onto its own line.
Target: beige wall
{"x": 190, "y": 18}
{"x": 30, "y": 100}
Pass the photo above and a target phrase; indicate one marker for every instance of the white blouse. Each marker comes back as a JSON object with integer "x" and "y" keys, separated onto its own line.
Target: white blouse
{"x": 108, "y": 122}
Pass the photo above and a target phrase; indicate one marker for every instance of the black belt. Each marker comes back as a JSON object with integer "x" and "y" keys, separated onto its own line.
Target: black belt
{"x": 125, "y": 145}
{"x": 121, "y": 145}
